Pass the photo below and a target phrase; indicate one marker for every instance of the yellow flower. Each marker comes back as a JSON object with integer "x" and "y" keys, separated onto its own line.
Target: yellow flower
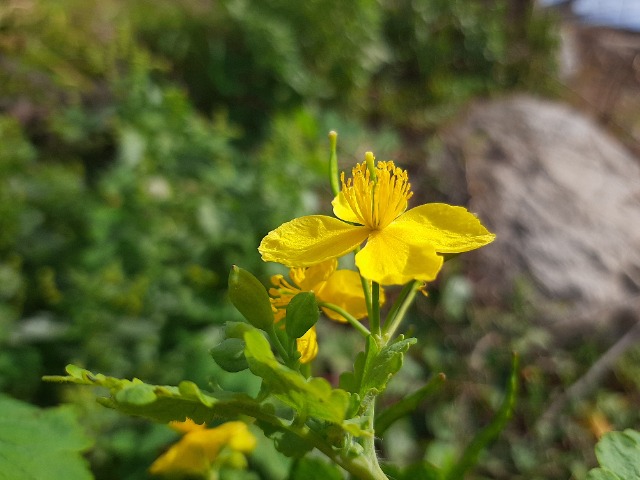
{"x": 307, "y": 345}
{"x": 400, "y": 245}
{"x": 195, "y": 452}
{"x": 342, "y": 288}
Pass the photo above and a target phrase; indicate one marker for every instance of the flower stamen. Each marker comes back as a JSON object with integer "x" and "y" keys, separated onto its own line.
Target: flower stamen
{"x": 280, "y": 296}
{"x": 377, "y": 203}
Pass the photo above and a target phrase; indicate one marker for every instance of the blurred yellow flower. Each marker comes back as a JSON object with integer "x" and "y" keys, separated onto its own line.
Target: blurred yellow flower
{"x": 200, "y": 446}
{"x": 400, "y": 245}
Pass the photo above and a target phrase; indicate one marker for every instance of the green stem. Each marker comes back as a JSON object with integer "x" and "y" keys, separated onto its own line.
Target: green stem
{"x": 361, "y": 467}
{"x": 347, "y": 316}
{"x": 407, "y": 405}
{"x": 366, "y": 290}
{"x": 368, "y": 444}
{"x": 489, "y": 433}
{"x": 279, "y": 347}
{"x": 393, "y": 311}
{"x": 399, "y": 309}
{"x": 374, "y": 319}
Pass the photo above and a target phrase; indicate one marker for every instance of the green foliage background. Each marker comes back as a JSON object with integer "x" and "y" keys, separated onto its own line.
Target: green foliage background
{"x": 147, "y": 146}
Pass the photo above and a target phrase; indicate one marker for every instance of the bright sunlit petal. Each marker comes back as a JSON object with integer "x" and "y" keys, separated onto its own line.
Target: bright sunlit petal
{"x": 447, "y": 228}
{"x": 306, "y": 241}
{"x": 393, "y": 256}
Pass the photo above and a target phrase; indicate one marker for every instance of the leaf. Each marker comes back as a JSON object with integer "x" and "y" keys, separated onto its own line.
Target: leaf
{"x": 405, "y": 406}
{"x": 290, "y": 445}
{"x": 619, "y": 456}
{"x": 229, "y": 354}
{"x": 601, "y": 474}
{"x": 40, "y": 444}
{"x": 313, "y": 397}
{"x": 302, "y": 314}
{"x": 489, "y": 433}
{"x": 165, "y": 403}
{"x": 417, "y": 471}
{"x": 314, "y": 469}
{"x": 374, "y": 367}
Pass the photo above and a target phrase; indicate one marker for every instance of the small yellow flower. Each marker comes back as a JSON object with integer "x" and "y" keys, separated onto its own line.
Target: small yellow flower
{"x": 400, "y": 245}
{"x": 342, "y": 288}
{"x": 195, "y": 452}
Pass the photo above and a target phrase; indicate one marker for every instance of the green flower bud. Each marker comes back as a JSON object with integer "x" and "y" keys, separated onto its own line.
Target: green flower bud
{"x": 250, "y": 298}
{"x": 302, "y": 314}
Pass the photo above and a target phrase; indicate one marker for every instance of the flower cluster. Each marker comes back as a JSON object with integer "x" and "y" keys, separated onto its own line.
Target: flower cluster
{"x": 342, "y": 288}
{"x": 393, "y": 245}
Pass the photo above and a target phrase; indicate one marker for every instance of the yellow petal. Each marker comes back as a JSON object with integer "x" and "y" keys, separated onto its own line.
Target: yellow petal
{"x": 449, "y": 229}
{"x": 308, "y": 278}
{"x": 198, "y": 448}
{"x": 307, "y": 345}
{"x": 187, "y": 426}
{"x": 344, "y": 289}
{"x": 343, "y": 210}
{"x": 238, "y": 436}
{"x": 306, "y": 241}
{"x": 189, "y": 455}
{"x": 395, "y": 256}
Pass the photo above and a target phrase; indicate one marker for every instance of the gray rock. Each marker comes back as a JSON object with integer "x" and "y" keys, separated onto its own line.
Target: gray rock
{"x": 563, "y": 197}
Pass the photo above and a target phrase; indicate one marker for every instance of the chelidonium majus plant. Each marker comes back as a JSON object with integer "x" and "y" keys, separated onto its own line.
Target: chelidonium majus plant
{"x": 394, "y": 245}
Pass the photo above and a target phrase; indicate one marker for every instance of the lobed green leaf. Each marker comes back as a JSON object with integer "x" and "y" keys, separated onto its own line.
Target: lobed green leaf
{"x": 309, "y": 398}
{"x": 38, "y": 444}
{"x": 165, "y": 403}
{"x": 619, "y": 456}
{"x": 375, "y": 367}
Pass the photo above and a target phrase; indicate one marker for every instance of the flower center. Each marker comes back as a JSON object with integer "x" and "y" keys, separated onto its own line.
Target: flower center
{"x": 377, "y": 203}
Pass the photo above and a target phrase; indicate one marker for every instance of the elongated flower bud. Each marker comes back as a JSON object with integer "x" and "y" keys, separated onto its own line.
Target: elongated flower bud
{"x": 250, "y": 298}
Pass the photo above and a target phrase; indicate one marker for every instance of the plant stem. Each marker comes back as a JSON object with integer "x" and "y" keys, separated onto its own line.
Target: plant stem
{"x": 347, "y": 316}
{"x": 399, "y": 309}
{"x": 279, "y": 347}
{"x": 374, "y": 319}
{"x": 393, "y": 311}
{"x": 366, "y": 290}
{"x": 361, "y": 467}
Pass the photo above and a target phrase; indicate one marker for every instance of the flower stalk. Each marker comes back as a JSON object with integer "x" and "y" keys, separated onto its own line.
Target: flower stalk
{"x": 347, "y": 316}
{"x": 374, "y": 321}
{"x": 399, "y": 309}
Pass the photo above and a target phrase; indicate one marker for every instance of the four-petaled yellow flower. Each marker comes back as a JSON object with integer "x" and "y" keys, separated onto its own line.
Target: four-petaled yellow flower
{"x": 400, "y": 245}
{"x": 342, "y": 288}
{"x": 195, "y": 452}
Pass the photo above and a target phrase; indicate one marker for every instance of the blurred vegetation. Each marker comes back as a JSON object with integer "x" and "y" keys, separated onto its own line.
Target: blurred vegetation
{"x": 147, "y": 146}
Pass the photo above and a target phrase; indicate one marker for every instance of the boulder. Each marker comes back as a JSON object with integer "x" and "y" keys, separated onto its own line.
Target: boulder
{"x": 562, "y": 196}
